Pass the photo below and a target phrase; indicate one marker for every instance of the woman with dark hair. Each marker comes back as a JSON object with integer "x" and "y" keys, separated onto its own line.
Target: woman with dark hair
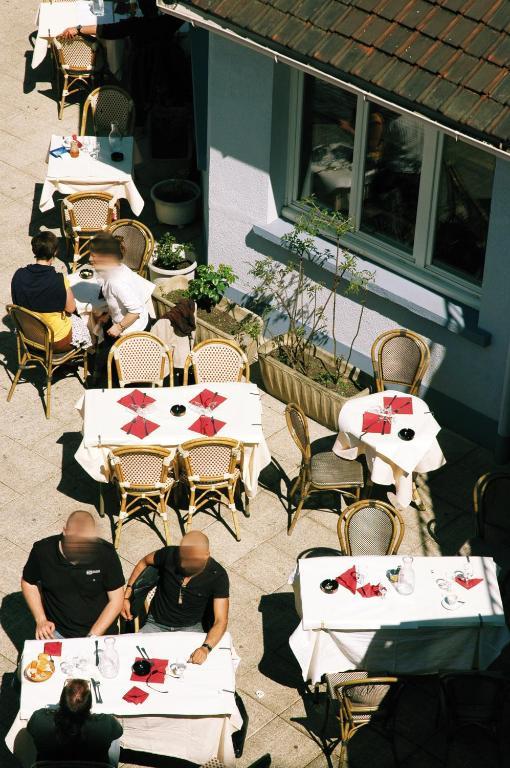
{"x": 71, "y": 732}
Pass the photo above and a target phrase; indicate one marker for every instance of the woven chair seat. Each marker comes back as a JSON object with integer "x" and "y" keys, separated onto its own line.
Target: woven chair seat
{"x": 367, "y": 695}
{"x": 329, "y": 470}
{"x": 336, "y": 678}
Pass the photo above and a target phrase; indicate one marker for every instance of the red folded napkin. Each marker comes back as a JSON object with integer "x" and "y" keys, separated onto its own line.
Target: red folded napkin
{"x": 467, "y": 583}
{"x": 76, "y": 139}
{"x": 158, "y": 671}
{"x": 372, "y": 422}
{"x": 140, "y": 427}
{"x": 136, "y": 399}
{"x": 208, "y": 399}
{"x": 400, "y": 405}
{"x": 207, "y": 426}
{"x": 53, "y": 648}
{"x": 370, "y": 590}
{"x": 135, "y": 695}
{"x": 348, "y": 579}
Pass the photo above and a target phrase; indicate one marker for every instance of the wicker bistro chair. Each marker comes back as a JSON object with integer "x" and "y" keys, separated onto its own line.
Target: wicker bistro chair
{"x": 84, "y": 214}
{"x": 217, "y": 360}
{"x": 490, "y": 502}
{"x": 358, "y": 696}
{"x": 370, "y": 527}
{"x": 138, "y": 243}
{"x": 212, "y": 470}
{"x": 140, "y": 358}
{"x": 75, "y": 64}
{"x": 144, "y": 480}
{"x": 321, "y": 472}
{"x": 34, "y": 340}
{"x": 400, "y": 357}
{"x": 106, "y": 105}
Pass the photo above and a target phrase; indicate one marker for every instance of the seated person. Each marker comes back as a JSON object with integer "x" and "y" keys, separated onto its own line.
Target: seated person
{"x": 39, "y": 288}
{"x": 188, "y": 579}
{"x": 121, "y": 288}
{"x": 71, "y": 732}
{"x": 73, "y": 582}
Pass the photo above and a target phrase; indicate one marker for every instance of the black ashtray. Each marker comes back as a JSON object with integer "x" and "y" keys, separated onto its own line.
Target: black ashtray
{"x": 406, "y": 434}
{"x": 329, "y": 586}
{"x": 178, "y": 410}
{"x": 142, "y": 667}
{"x": 117, "y": 156}
{"x": 86, "y": 273}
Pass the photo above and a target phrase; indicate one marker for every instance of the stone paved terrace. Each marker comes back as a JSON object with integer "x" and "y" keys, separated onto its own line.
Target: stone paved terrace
{"x": 40, "y": 483}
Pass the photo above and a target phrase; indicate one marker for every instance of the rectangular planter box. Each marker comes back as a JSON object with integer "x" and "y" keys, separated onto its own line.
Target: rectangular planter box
{"x": 319, "y": 403}
{"x": 206, "y": 330}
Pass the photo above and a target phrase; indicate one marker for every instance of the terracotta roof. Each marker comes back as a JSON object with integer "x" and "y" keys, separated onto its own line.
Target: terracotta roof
{"x": 448, "y": 59}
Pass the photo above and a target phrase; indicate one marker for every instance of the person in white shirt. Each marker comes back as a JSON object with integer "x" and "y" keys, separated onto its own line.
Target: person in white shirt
{"x": 121, "y": 288}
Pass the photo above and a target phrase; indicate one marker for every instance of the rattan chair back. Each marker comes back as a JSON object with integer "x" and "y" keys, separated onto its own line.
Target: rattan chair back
{"x": 34, "y": 333}
{"x": 89, "y": 211}
{"x": 474, "y": 698}
{"x": 139, "y": 468}
{"x": 138, "y": 243}
{"x": 370, "y": 527}
{"x": 490, "y": 500}
{"x": 140, "y": 358}
{"x": 216, "y": 360}
{"x": 210, "y": 460}
{"x": 297, "y": 424}
{"x": 400, "y": 357}
{"x": 76, "y": 54}
{"x": 359, "y": 699}
{"x": 106, "y": 105}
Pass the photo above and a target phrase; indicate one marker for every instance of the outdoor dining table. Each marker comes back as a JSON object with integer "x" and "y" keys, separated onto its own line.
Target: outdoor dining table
{"x": 238, "y": 416}
{"x": 52, "y": 18}
{"x": 372, "y": 425}
{"x": 191, "y": 717}
{"x": 394, "y": 633}
{"x": 66, "y": 174}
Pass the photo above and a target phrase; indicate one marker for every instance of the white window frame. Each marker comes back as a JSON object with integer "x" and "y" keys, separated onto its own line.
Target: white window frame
{"x": 417, "y": 266}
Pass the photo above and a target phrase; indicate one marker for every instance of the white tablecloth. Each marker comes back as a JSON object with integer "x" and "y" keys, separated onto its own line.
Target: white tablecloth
{"x": 53, "y": 18}
{"x": 194, "y": 720}
{"x": 406, "y": 634}
{"x": 85, "y": 174}
{"x": 103, "y": 418}
{"x": 390, "y": 460}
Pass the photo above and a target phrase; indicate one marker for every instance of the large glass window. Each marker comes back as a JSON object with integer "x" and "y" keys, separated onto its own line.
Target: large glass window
{"x": 463, "y": 209}
{"x": 418, "y": 200}
{"x": 327, "y": 145}
{"x": 393, "y": 156}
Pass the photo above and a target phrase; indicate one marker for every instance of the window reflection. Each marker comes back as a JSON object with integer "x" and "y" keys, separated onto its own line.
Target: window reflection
{"x": 393, "y": 159}
{"x": 463, "y": 209}
{"x": 327, "y": 146}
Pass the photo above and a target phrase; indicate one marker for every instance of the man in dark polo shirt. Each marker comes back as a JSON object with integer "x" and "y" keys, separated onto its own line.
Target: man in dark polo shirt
{"x": 188, "y": 579}
{"x": 73, "y": 582}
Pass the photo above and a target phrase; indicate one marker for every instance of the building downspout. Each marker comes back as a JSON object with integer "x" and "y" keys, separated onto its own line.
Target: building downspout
{"x": 502, "y": 448}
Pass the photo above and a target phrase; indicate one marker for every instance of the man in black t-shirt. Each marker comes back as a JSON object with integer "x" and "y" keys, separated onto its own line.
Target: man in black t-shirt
{"x": 189, "y": 579}
{"x": 73, "y": 582}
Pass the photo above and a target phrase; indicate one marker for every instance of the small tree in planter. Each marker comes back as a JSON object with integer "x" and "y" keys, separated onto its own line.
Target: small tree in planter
{"x": 305, "y": 305}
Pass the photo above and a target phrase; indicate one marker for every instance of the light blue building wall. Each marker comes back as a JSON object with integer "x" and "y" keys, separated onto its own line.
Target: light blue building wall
{"x": 244, "y": 188}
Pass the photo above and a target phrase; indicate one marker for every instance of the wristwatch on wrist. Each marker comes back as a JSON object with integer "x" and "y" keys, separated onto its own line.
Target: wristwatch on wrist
{"x": 206, "y": 645}
{"x": 78, "y": 28}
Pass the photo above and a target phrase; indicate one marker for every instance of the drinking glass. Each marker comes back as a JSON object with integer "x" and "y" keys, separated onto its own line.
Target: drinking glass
{"x": 178, "y": 667}
{"x": 406, "y": 578}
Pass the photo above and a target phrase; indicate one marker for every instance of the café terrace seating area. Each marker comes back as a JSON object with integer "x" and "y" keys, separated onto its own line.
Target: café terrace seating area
{"x": 368, "y": 563}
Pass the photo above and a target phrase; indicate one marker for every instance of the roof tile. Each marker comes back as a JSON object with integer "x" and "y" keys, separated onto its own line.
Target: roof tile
{"x": 458, "y": 31}
{"x": 485, "y": 113}
{"x": 484, "y": 77}
{"x": 347, "y": 24}
{"x": 415, "y": 47}
{"x": 394, "y": 39}
{"x": 461, "y": 102}
{"x": 413, "y": 13}
{"x": 413, "y": 87}
{"x": 437, "y": 93}
{"x": 499, "y": 17}
{"x": 484, "y": 40}
{"x": 369, "y": 32}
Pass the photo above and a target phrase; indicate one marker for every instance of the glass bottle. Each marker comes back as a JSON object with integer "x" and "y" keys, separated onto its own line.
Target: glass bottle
{"x": 109, "y": 659}
{"x": 74, "y": 150}
{"x": 405, "y": 582}
{"x": 115, "y": 138}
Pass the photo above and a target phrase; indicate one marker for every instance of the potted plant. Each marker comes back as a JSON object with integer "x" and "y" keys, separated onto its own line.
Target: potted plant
{"x": 175, "y": 201}
{"x": 294, "y": 365}
{"x": 171, "y": 259}
{"x": 217, "y": 317}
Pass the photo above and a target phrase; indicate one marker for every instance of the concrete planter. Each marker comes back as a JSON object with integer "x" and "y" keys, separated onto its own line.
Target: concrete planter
{"x": 318, "y": 402}
{"x": 178, "y": 213}
{"x": 205, "y": 328}
{"x": 158, "y": 274}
